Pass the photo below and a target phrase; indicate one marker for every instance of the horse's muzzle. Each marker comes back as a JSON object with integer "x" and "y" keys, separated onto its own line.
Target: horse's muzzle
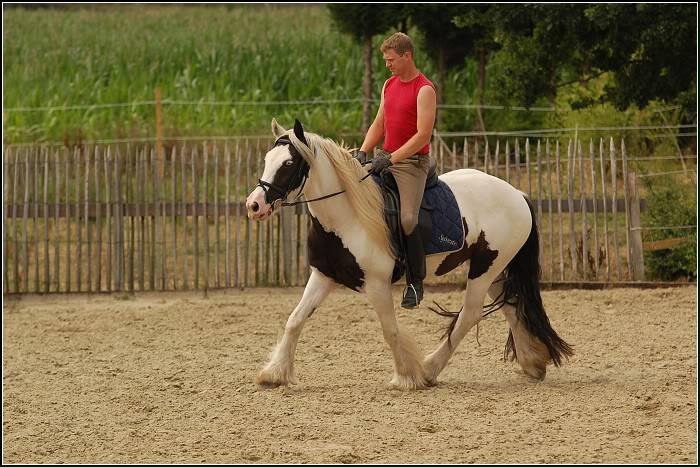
{"x": 256, "y": 206}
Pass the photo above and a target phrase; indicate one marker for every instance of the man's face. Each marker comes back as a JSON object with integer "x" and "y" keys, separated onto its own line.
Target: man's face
{"x": 396, "y": 63}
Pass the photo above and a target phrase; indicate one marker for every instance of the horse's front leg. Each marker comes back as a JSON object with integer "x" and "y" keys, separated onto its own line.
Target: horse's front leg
{"x": 408, "y": 367}
{"x": 279, "y": 370}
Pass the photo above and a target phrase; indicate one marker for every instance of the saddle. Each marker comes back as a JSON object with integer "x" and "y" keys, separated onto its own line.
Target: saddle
{"x": 439, "y": 220}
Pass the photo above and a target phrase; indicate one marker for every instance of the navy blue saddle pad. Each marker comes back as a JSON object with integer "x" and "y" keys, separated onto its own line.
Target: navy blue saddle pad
{"x": 445, "y": 230}
{"x": 448, "y": 229}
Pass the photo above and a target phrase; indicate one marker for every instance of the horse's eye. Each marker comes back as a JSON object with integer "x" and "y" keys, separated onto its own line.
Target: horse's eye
{"x": 289, "y": 163}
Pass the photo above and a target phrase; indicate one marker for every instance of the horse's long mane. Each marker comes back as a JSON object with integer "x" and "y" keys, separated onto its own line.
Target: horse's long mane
{"x": 364, "y": 197}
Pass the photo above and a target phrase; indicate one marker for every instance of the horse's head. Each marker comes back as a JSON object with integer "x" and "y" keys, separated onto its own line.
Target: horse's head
{"x": 285, "y": 171}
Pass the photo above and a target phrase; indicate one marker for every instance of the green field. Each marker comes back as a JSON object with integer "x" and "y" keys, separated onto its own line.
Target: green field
{"x": 117, "y": 54}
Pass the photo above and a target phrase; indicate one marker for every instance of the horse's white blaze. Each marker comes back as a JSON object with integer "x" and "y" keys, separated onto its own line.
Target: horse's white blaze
{"x": 274, "y": 160}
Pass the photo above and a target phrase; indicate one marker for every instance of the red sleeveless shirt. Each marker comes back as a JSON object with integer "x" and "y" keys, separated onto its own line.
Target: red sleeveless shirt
{"x": 401, "y": 111}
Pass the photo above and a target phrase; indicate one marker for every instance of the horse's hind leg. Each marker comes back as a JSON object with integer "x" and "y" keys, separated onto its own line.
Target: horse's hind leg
{"x": 469, "y": 316}
{"x": 528, "y": 350}
{"x": 408, "y": 368}
{"x": 279, "y": 370}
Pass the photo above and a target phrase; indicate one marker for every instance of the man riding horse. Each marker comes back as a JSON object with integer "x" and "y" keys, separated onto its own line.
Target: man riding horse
{"x": 405, "y": 119}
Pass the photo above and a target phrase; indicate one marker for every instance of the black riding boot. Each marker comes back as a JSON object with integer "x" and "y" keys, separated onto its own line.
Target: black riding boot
{"x": 415, "y": 270}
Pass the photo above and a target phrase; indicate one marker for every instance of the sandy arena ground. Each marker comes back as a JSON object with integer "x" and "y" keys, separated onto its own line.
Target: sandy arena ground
{"x": 168, "y": 378}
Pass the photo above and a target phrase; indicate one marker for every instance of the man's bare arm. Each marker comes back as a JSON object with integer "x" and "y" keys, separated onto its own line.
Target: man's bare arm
{"x": 376, "y": 130}
{"x": 427, "y": 107}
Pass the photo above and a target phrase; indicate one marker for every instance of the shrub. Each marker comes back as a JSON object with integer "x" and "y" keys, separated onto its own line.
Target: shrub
{"x": 671, "y": 205}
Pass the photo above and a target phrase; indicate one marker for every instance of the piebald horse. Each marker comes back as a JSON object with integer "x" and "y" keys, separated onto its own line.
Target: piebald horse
{"x": 349, "y": 244}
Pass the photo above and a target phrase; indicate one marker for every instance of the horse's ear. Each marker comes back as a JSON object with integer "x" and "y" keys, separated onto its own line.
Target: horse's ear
{"x": 277, "y": 129}
{"x": 299, "y": 131}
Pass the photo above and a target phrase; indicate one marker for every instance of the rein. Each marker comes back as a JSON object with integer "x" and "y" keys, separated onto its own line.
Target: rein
{"x": 299, "y": 179}
{"x": 322, "y": 197}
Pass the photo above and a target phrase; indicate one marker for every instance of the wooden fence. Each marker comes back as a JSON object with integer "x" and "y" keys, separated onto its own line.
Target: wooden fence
{"x": 587, "y": 210}
{"x": 105, "y": 218}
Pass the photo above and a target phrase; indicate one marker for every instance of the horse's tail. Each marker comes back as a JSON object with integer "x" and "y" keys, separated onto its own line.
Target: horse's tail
{"x": 522, "y": 288}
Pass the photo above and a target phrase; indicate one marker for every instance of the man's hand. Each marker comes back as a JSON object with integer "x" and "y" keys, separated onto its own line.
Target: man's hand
{"x": 379, "y": 164}
{"x": 361, "y": 156}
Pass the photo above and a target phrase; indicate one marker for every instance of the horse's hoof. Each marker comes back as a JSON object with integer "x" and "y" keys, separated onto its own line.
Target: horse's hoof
{"x": 267, "y": 384}
{"x": 407, "y": 383}
{"x": 532, "y": 375}
{"x": 263, "y": 381}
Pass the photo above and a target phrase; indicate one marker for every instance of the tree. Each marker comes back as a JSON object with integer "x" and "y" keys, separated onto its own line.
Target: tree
{"x": 447, "y": 43}
{"x": 647, "y": 49}
{"x": 539, "y": 44}
{"x": 479, "y": 21}
{"x": 651, "y": 48}
{"x": 362, "y": 22}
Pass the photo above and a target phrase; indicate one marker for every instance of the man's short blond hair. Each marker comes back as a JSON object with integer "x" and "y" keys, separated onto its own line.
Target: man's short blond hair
{"x": 399, "y": 42}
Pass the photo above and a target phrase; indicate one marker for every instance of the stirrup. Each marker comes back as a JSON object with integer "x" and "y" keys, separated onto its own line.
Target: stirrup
{"x": 404, "y": 303}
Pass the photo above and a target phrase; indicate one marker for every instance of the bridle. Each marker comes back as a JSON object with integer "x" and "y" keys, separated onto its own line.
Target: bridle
{"x": 273, "y": 192}
{"x": 296, "y": 181}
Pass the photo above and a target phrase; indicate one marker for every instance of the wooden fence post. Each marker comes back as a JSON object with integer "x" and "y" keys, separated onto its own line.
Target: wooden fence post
{"x": 227, "y": 215}
{"x": 173, "y": 210}
{"x": 109, "y": 177}
{"x": 46, "y": 222}
{"x": 195, "y": 218}
{"x": 140, "y": 201}
{"x": 571, "y": 159}
{"x": 98, "y": 214}
{"x": 466, "y": 153}
{"x": 87, "y": 220}
{"x": 596, "y": 249}
{"x": 613, "y": 183}
{"x": 627, "y": 205}
{"x": 584, "y": 214}
{"x": 183, "y": 214}
{"x": 6, "y": 231}
{"x": 549, "y": 210}
{"x": 248, "y": 226}
{"x": 605, "y": 210}
{"x": 539, "y": 202}
{"x": 25, "y": 217}
{"x": 205, "y": 217}
{"x": 237, "y": 242}
{"x": 217, "y": 234}
{"x": 288, "y": 253}
{"x": 119, "y": 220}
{"x": 559, "y": 212}
{"x": 35, "y": 203}
{"x": 507, "y": 161}
{"x": 15, "y": 269}
{"x": 635, "y": 230}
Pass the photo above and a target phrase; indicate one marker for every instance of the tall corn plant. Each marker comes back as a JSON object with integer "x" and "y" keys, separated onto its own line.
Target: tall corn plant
{"x": 239, "y": 56}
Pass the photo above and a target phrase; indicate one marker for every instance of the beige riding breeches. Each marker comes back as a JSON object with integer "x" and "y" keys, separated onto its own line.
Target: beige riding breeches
{"x": 410, "y": 175}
